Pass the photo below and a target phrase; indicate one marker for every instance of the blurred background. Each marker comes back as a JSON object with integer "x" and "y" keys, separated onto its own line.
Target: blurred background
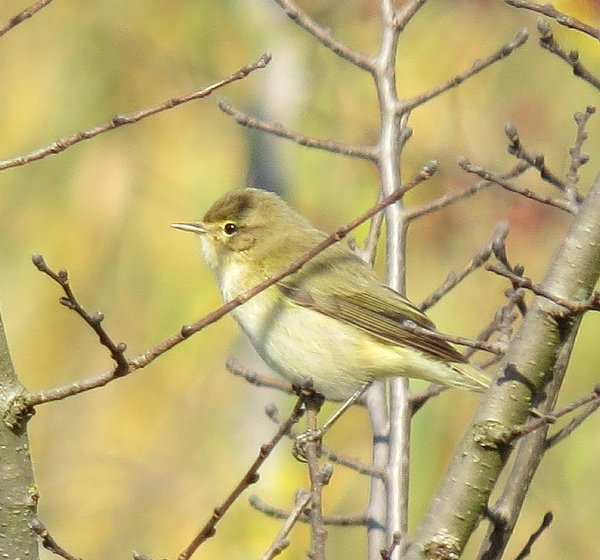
{"x": 141, "y": 463}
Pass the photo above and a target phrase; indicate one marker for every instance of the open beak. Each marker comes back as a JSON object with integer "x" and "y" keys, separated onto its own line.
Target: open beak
{"x": 195, "y": 227}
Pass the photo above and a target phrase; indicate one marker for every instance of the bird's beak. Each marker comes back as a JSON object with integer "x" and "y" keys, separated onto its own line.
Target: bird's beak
{"x": 193, "y": 227}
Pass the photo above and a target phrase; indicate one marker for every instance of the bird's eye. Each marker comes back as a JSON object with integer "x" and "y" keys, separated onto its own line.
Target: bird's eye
{"x": 229, "y": 228}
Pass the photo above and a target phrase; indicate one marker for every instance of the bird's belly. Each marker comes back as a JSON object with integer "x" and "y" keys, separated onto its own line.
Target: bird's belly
{"x": 300, "y": 344}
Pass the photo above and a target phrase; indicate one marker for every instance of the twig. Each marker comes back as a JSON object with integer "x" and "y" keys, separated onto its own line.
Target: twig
{"x": 386, "y": 554}
{"x": 24, "y": 15}
{"x": 516, "y": 148}
{"x": 546, "y": 522}
{"x": 300, "y": 17}
{"x": 549, "y": 11}
{"x": 364, "y": 152}
{"x": 332, "y": 520}
{"x": 481, "y": 172}
{"x": 479, "y": 65}
{"x": 574, "y": 307}
{"x": 545, "y": 419}
{"x": 571, "y": 426}
{"x": 571, "y": 58}
{"x": 256, "y": 378}
{"x": 451, "y": 198}
{"x": 404, "y": 14}
{"x": 317, "y": 478}
{"x": 578, "y": 158}
{"x": 145, "y": 358}
{"x": 117, "y": 350}
{"x": 281, "y": 541}
{"x": 250, "y": 477}
{"x": 454, "y": 278}
{"x": 48, "y": 541}
{"x": 66, "y": 142}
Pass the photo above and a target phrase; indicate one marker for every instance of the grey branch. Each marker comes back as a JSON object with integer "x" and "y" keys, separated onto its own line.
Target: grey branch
{"x": 551, "y": 12}
{"x": 352, "y": 150}
{"x": 66, "y": 142}
{"x": 23, "y": 16}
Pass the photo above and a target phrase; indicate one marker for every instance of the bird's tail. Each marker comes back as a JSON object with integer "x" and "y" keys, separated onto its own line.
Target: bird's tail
{"x": 469, "y": 377}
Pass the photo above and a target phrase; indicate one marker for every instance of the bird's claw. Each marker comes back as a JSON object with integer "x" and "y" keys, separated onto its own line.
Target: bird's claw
{"x": 302, "y": 440}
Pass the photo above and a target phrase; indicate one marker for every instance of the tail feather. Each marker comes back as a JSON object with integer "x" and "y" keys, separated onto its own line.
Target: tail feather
{"x": 470, "y": 377}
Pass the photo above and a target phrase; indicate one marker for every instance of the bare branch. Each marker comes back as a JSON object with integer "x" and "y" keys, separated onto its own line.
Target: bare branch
{"x": 573, "y": 307}
{"x": 23, "y": 16}
{"x": 404, "y": 14}
{"x": 578, "y": 158}
{"x": 515, "y": 148}
{"x": 142, "y": 360}
{"x": 48, "y": 541}
{"x": 450, "y": 198}
{"x": 352, "y": 150}
{"x": 454, "y": 278}
{"x": 249, "y": 478}
{"x": 66, "y": 142}
{"x": 318, "y": 478}
{"x": 333, "y": 520}
{"x": 479, "y": 65}
{"x": 572, "y": 425}
{"x": 571, "y": 58}
{"x": 386, "y": 554}
{"x": 256, "y": 378}
{"x": 545, "y": 419}
{"x": 94, "y": 321}
{"x": 546, "y": 521}
{"x": 281, "y": 542}
{"x": 549, "y": 11}
{"x": 550, "y": 201}
{"x": 300, "y": 17}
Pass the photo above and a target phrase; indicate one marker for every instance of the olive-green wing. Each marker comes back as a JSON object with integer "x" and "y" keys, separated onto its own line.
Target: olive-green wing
{"x": 382, "y": 313}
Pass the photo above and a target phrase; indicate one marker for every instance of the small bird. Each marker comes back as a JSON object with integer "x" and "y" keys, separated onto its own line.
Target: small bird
{"x": 333, "y": 321}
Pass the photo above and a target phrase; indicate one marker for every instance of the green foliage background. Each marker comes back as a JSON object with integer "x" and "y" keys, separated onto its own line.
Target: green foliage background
{"x": 141, "y": 463}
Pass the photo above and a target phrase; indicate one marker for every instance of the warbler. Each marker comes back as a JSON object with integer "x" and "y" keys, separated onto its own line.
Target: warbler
{"x": 333, "y": 321}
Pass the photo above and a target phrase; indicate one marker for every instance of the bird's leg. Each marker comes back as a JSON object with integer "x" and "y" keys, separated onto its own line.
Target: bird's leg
{"x": 314, "y": 434}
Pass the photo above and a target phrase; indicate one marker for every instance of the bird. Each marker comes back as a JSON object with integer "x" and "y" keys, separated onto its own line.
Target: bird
{"x": 333, "y": 322}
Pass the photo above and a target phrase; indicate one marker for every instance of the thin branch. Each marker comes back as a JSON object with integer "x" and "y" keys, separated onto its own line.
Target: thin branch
{"x": 404, "y": 14}
{"x": 578, "y": 157}
{"x": 537, "y": 160}
{"x": 552, "y": 417}
{"x": 66, "y": 142}
{"x": 48, "y": 541}
{"x": 249, "y": 478}
{"x": 94, "y": 321}
{"x": 546, "y": 522}
{"x": 455, "y": 278}
{"x": 145, "y": 358}
{"x": 571, "y": 58}
{"x": 318, "y": 478}
{"x": 23, "y": 16}
{"x": 573, "y": 307}
{"x": 387, "y": 553}
{"x": 550, "y": 201}
{"x": 479, "y": 65}
{"x": 281, "y": 542}
{"x": 301, "y": 18}
{"x": 258, "y": 379}
{"x": 571, "y": 426}
{"x": 551, "y": 12}
{"x": 451, "y": 198}
{"x": 331, "y": 520}
{"x": 352, "y": 150}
